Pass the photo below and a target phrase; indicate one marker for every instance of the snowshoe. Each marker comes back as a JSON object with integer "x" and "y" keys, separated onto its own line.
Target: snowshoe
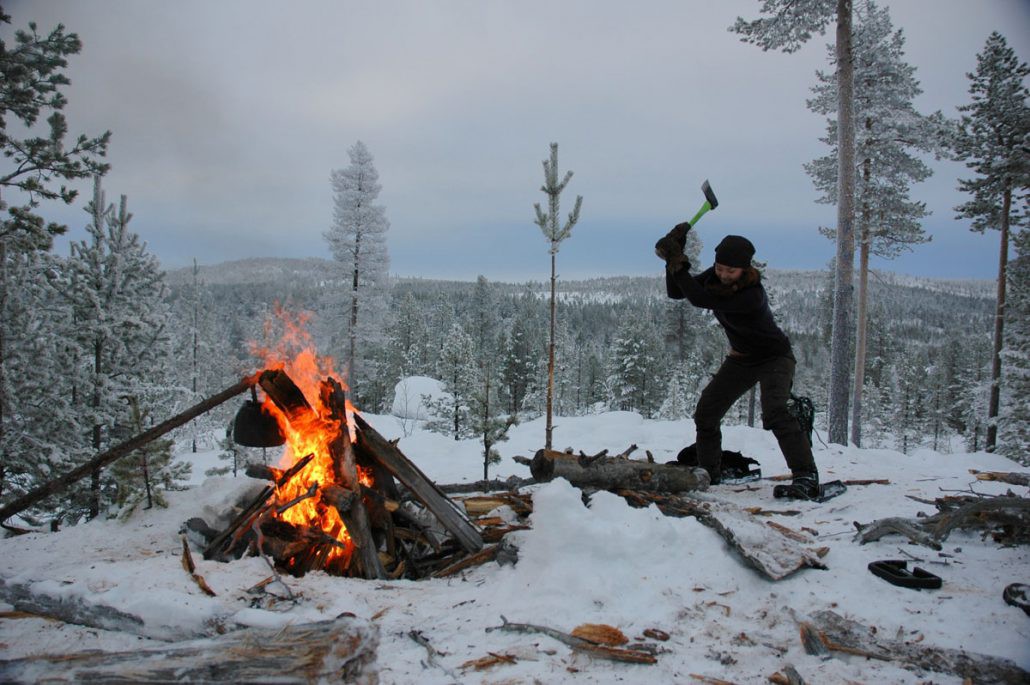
{"x": 819, "y": 493}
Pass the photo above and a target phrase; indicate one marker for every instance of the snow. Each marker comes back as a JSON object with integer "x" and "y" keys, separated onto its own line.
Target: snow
{"x": 604, "y": 562}
{"x": 410, "y": 396}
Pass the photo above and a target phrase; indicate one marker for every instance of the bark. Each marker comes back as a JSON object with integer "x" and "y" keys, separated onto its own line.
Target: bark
{"x": 580, "y": 644}
{"x": 999, "y": 325}
{"x": 615, "y": 473}
{"x": 61, "y": 483}
{"x": 861, "y": 323}
{"x": 550, "y": 355}
{"x": 840, "y": 364}
{"x": 341, "y": 650}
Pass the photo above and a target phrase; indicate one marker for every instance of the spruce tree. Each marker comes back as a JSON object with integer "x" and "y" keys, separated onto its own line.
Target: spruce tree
{"x": 461, "y": 378}
{"x": 992, "y": 141}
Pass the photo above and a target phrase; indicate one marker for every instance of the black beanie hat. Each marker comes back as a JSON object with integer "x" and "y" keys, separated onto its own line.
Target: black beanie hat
{"x": 735, "y": 251}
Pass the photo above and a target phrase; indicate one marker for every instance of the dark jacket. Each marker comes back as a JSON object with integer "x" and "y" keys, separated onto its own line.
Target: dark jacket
{"x": 743, "y": 310}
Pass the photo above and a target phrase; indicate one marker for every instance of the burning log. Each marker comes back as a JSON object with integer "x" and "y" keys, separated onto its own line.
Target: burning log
{"x": 355, "y": 516}
{"x": 616, "y": 473}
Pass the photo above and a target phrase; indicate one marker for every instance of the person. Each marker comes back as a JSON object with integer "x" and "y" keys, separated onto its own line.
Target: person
{"x": 760, "y": 352}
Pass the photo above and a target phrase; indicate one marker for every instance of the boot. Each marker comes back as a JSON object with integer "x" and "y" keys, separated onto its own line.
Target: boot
{"x": 805, "y": 485}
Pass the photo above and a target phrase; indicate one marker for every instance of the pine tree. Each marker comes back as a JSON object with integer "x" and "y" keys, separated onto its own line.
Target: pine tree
{"x": 789, "y": 25}
{"x": 117, "y": 293}
{"x": 889, "y": 128}
{"x": 676, "y": 406}
{"x": 1014, "y": 415}
{"x": 31, "y": 79}
{"x": 992, "y": 141}
{"x": 518, "y": 365}
{"x": 357, "y": 239}
{"x": 549, "y": 224}
{"x": 142, "y": 477}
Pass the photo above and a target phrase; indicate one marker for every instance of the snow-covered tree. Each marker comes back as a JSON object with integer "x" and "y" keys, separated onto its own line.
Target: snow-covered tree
{"x": 1014, "y": 415}
{"x": 889, "y": 131}
{"x": 637, "y": 378}
{"x": 357, "y": 240}
{"x": 789, "y": 24}
{"x": 992, "y": 140}
{"x": 461, "y": 379}
{"x": 117, "y": 293}
{"x": 35, "y": 168}
{"x": 555, "y": 233}
{"x": 676, "y": 404}
{"x": 142, "y": 477}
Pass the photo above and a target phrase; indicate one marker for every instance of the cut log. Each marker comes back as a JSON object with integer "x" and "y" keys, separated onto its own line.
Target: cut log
{"x": 343, "y": 650}
{"x": 1003, "y": 477}
{"x": 617, "y": 473}
{"x": 61, "y": 483}
{"x": 374, "y": 446}
{"x": 843, "y": 635}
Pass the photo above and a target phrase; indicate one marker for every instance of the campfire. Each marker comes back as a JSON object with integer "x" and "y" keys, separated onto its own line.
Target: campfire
{"x": 343, "y": 499}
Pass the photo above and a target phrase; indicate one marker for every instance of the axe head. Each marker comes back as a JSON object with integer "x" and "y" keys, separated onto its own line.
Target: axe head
{"x": 709, "y": 195}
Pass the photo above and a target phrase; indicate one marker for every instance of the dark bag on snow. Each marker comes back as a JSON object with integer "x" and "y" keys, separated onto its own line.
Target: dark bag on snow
{"x": 734, "y": 464}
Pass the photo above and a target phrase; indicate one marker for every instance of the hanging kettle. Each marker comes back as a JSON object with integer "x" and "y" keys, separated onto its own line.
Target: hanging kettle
{"x": 254, "y": 426}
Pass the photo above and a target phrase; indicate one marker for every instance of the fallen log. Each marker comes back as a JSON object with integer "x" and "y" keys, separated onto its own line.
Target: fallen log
{"x": 766, "y": 548}
{"x": 1009, "y": 516}
{"x": 61, "y": 483}
{"x": 840, "y": 634}
{"x": 616, "y": 473}
{"x": 342, "y": 650}
{"x": 632, "y": 656}
{"x": 1010, "y": 478}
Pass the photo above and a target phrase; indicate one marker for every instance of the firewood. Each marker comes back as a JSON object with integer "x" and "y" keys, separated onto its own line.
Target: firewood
{"x": 481, "y": 557}
{"x": 613, "y": 653}
{"x": 285, "y": 394}
{"x": 191, "y": 568}
{"x": 375, "y": 446}
{"x": 61, "y": 483}
{"x": 614, "y": 473}
{"x": 1010, "y": 515}
{"x": 341, "y": 650}
{"x": 355, "y": 517}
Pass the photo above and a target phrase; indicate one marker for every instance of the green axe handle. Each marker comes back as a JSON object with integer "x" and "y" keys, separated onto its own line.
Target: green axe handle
{"x": 710, "y": 202}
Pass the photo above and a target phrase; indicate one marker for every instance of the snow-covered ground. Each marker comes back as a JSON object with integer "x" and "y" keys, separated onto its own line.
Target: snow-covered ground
{"x": 608, "y": 563}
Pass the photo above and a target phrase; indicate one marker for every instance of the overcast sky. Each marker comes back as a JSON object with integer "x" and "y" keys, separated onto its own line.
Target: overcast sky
{"x": 228, "y": 117}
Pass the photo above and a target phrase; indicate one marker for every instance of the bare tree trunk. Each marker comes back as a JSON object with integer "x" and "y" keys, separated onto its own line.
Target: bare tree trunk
{"x": 196, "y": 321}
{"x": 3, "y": 362}
{"x": 550, "y": 362}
{"x": 860, "y": 325}
{"x": 999, "y": 324}
{"x": 843, "y": 287}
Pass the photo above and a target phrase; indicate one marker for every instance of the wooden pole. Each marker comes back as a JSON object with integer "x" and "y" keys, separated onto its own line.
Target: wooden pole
{"x": 61, "y": 483}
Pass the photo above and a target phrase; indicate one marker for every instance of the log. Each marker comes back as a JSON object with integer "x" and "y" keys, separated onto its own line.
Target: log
{"x": 1003, "y": 477}
{"x": 348, "y": 503}
{"x": 843, "y": 635}
{"x": 765, "y": 548}
{"x": 341, "y": 650}
{"x": 61, "y": 483}
{"x": 617, "y": 473}
{"x": 374, "y": 446}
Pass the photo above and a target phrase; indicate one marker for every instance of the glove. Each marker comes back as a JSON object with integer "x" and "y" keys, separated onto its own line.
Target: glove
{"x": 671, "y": 245}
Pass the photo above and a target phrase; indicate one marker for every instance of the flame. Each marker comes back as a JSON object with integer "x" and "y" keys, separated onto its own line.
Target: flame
{"x": 314, "y": 433}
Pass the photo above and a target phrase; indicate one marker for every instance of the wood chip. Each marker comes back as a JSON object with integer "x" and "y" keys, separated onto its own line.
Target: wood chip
{"x": 600, "y": 633}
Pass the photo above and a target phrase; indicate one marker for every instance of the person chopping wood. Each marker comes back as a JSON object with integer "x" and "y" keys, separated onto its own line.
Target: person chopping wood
{"x": 760, "y": 352}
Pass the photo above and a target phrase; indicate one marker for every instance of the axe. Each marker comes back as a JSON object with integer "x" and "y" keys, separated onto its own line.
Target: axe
{"x": 710, "y": 202}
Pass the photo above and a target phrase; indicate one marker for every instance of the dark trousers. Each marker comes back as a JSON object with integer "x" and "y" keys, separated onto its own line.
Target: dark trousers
{"x": 729, "y": 384}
